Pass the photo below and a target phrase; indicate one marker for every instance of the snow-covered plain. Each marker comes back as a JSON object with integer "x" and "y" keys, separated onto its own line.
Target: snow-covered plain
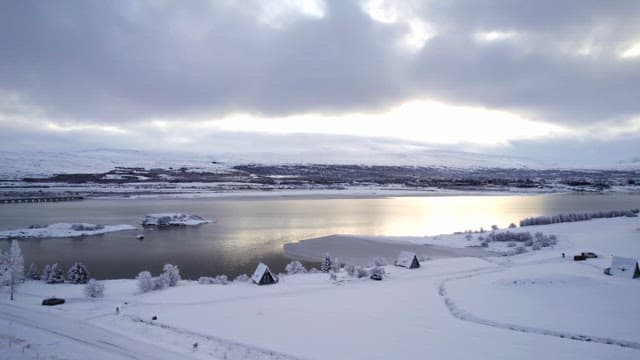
{"x": 63, "y": 230}
{"x": 529, "y": 306}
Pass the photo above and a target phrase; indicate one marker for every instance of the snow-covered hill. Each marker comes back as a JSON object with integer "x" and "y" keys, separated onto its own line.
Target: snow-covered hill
{"x": 20, "y": 164}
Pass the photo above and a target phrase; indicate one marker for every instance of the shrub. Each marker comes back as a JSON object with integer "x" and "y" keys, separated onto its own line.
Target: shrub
{"x": 380, "y": 261}
{"x": 350, "y": 269}
{"x": 145, "y": 283}
{"x": 295, "y": 267}
{"x": 172, "y": 273}
{"x": 218, "y": 280}
{"x": 94, "y": 289}
{"x": 362, "y": 272}
{"x": 160, "y": 282}
{"x": 242, "y": 278}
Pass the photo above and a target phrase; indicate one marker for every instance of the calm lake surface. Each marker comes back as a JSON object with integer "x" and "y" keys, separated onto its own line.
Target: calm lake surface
{"x": 251, "y": 230}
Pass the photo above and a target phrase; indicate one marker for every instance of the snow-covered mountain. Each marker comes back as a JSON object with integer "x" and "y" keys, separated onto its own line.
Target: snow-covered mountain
{"x": 14, "y": 164}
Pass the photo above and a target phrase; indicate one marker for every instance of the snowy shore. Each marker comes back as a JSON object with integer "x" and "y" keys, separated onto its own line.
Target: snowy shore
{"x": 63, "y": 230}
{"x": 529, "y": 306}
{"x": 353, "y": 249}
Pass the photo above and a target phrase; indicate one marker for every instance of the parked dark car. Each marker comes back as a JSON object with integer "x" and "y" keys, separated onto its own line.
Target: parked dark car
{"x": 376, "y": 276}
{"x": 589, "y": 255}
{"x": 579, "y": 258}
{"x": 52, "y": 301}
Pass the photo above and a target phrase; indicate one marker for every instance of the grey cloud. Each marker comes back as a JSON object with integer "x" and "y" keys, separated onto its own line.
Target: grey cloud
{"x": 126, "y": 61}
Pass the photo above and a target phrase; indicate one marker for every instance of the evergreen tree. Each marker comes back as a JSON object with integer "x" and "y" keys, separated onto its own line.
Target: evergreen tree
{"x": 53, "y": 274}
{"x": 78, "y": 274}
{"x": 325, "y": 265}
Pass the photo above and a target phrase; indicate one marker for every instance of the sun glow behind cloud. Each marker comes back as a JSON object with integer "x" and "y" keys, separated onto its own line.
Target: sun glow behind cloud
{"x": 423, "y": 121}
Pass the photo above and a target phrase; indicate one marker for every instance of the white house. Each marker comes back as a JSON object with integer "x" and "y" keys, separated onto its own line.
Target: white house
{"x": 263, "y": 276}
{"x": 623, "y": 267}
{"x": 408, "y": 260}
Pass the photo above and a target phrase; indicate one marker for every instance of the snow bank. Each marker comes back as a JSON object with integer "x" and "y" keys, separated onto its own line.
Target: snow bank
{"x": 62, "y": 230}
{"x": 173, "y": 219}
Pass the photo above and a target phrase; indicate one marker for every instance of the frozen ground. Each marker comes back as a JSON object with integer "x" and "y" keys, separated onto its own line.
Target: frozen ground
{"x": 530, "y": 306}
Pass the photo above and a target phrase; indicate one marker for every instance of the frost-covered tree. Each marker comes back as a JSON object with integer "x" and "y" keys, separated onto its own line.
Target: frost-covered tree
{"x": 52, "y": 274}
{"x": 46, "y": 273}
{"x": 295, "y": 267}
{"x": 362, "y": 272}
{"x": 16, "y": 261}
{"x": 144, "y": 281}
{"x": 379, "y": 261}
{"x": 325, "y": 265}
{"x": 12, "y": 267}
{"x": 160, "y": 282}
{"x": 4, "y": 268}
{"x": 78, "y": 274}
{"x": 57, "y": 274}
{"x": 350, "y": 269}
{"x": 335, "y": 265}
{"x": 94, "y": 289}
{"x": 173, "y": 274}
{"x": 33, "y": 273}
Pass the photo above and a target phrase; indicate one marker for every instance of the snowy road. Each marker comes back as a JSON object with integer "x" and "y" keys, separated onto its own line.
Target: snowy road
{"x": 99, "y": 340}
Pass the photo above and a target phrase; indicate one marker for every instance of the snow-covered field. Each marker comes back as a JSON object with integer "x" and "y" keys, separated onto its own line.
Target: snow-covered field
{"x": 529, "y": 306}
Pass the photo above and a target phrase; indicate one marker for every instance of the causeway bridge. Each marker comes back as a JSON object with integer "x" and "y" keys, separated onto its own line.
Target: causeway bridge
{"x": 40, "y": 199}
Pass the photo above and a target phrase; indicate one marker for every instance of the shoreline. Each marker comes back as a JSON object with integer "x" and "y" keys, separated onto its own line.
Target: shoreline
{"x": 362, "y": 250}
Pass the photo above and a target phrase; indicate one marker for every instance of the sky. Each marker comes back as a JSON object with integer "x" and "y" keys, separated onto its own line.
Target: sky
{"x": 557, "y": 82}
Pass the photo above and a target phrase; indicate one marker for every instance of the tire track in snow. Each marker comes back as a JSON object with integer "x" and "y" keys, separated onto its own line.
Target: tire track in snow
{"x": 464, "y": 315}
{"x": 240, "y": 350}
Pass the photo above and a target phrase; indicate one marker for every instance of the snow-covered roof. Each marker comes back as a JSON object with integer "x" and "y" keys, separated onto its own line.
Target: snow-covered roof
{"x": 623, "y": 267}
{"x": 260, "y": 270}
{"x": 405, "y": 258}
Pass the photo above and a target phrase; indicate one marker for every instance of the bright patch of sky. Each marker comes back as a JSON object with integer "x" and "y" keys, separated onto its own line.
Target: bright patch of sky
{"x": 419, "y": 120}
{"x": 489, "y": 36}
{"x": 632, "y": 52}
{"x": 276, "y": 13}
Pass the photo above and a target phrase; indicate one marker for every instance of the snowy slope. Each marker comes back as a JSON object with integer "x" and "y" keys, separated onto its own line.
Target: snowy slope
{"x": 15, "y": 165}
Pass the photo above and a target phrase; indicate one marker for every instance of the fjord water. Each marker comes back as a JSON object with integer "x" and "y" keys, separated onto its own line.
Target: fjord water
{"x": 251, "y": 230}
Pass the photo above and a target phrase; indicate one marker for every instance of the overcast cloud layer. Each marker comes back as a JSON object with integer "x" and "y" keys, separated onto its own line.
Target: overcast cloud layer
{"x": 570, "y": 63}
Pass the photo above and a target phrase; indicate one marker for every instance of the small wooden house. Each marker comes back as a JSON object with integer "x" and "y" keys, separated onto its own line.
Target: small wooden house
{"x": 623, "y": 267}
{"x": 408, "y": 260}
{"x": 263, "y": 276}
